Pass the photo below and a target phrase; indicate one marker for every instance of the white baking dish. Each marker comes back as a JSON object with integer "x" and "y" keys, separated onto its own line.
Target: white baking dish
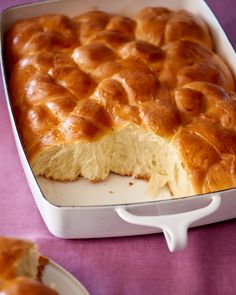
{"x": 120, "y": 206}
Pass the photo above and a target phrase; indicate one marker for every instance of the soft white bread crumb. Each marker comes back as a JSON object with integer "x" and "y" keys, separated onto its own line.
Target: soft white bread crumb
{"x": 128, "y": 151}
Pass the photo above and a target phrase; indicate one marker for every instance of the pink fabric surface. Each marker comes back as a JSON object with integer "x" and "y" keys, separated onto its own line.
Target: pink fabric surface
{"x": 130, "y": 265}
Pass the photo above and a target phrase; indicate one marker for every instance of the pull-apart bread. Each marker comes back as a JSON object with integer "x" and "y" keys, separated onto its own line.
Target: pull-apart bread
{"x": 21, "y": 267}
{"x": 146, "y": 97}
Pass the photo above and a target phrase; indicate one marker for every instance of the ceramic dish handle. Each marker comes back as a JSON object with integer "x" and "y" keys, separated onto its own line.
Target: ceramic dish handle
{"x": 174, "y": 226}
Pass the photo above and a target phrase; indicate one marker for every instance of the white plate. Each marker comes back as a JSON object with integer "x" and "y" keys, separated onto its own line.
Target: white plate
{"x": 62, "y": 281}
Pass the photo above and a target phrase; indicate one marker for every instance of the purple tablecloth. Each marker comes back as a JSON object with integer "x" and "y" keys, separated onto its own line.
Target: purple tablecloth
{"x": 130, "y": 265}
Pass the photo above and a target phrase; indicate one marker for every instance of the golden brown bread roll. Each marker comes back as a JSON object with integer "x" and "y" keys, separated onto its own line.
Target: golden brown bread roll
{"x": 42, "y": 34}
{"x": 130, "y": 96}
{"x": 21, "y": 268}
{"x": 188, "y": 61}
{"x": 159, "y": 25}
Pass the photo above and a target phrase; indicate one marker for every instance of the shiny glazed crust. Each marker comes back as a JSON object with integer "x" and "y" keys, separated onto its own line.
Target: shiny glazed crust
{"x": 79, "y": 79}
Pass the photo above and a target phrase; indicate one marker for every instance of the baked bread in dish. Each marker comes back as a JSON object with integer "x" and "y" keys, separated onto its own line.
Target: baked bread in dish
{"x": 21, "y": 267}
{"x": 145, "y": 97}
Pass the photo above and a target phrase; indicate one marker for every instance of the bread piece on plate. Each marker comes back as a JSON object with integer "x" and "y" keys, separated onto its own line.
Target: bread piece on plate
{"x": 18, "y": 258}
{"x": 21, "y": 268}
{"x": 124, "y": 95}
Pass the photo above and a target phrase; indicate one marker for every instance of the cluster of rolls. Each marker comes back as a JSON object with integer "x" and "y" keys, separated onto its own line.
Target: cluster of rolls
{"x": 21, "y": 268}
{"x": 83, "y": 87}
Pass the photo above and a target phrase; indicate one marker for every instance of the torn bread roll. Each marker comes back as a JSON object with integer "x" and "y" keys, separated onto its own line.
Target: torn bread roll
{"x": 21, "y": 268}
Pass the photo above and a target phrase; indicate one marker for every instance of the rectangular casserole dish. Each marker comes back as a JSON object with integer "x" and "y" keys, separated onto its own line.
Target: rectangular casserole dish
{"x": 119, "y": 205}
